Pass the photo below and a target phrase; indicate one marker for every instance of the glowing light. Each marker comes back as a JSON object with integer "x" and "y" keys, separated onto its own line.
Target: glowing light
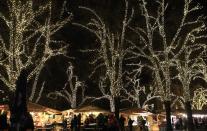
{"x": 135, "y": 93}
{"x": 70, "y": 90}
{"x": 26, "y": 36}
{"x": 160, "y": 61}
{"x": 110, "y": 54}
{"x": 199, "y": 98}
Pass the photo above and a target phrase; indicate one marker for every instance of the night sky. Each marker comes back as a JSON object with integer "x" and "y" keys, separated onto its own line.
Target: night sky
{"x": 78, "y": 39}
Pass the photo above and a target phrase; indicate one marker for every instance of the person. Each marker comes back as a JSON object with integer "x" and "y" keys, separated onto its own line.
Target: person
{"x": 100, "y": 120}
{"x": 29, "y": 123}
{"x": 26, "y": 123}
{"x": 181, "y": 123}
{"x": 74, "y": 123}
{"x": 121, "y": 123}
{"x": 79, "y": 121}
{"x": 113, "y": 123}
{"x": 130, "y": 122}
{"x": 105, "y": 121}
{"x": 143, "y": 127}
{"x": 86, "y": 122}
{"x": 64, "y": 124}
{"x": 3, "y": 121}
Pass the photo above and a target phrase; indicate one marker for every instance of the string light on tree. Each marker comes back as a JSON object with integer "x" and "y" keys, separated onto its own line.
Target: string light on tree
{"x": 110, "y": 54}
{"x": 161, "y": 60}
{"x": 199, "y": 98}
{"x": 26, "y": 35}
{"x": 134, "y": 94}
{"x": 70, "y": 92}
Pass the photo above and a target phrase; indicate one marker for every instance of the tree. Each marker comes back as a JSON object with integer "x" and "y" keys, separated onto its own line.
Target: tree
{"x": 71, "y": 90}
{"x": 159, "y": 47}
{"x": 20, "y": 118}
{"x": 136, "y": 90}
{"x": 199, "y": 99}
{"x": 109, "y": 55}
{"x": 189, "y": 69}
{"x": 29, "y": 40}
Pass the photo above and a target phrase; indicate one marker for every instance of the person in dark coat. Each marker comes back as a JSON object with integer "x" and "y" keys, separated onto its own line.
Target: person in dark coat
{"x": 65, "y": 124}
{"x": 3, "y": 121}
{"x": 79, "y": 121}
{"x": 121, "y": 123}
{"x": 130, "y": 122}
{"x": 74, "y": 123}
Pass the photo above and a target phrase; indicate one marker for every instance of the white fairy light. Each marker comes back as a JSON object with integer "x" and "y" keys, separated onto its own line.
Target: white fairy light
{"x": 70, "y": 92}
{"x": 199, "y": 99}
{"x": 110, "y": 53}
{"x": 22, "y": 51}
{"x": 161, "y": 61}
{"x": 135, "y": 93}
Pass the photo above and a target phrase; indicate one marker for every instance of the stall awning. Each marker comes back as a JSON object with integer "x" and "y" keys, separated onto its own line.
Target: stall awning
{"x": 135, "y": 110}
{"x": 91, "y": 108}
{"x": 32, "y": 107}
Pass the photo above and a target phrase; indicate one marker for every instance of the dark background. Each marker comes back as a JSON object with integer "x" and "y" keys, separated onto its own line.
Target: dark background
{"x": 112, "y": 12}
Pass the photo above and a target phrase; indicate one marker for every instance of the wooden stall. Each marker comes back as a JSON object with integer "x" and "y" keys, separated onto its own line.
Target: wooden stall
{"x": 137, "y": 113}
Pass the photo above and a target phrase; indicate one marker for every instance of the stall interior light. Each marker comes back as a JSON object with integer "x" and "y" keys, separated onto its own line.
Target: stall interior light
{"x": 194, "y": 115}
{"x": 200, "y": 115}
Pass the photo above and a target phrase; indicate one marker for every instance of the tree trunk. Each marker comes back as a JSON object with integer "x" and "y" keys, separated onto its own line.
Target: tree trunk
{"x": 20, "y": 119}
{"x": 117, "y": 107}
{"x": 168, "y": 115}
{"x": 190, "y": 125}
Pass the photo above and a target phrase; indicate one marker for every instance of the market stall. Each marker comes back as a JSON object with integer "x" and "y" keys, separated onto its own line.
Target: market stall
{"x": 42, "y": 116}
{"x": 68, "y": 115}
{"x": 90, "y": 110}
{"x": 137, "y": 115}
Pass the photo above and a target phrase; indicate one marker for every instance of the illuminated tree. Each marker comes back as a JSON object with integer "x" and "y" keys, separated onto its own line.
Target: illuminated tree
{"x": 159, "y": 47}
{"x": 199, "y": 98}
{"x": 109, "y": 55}
{"x": 136, "y": 90}
{"x": 72, "y": 90}
{"x": 189, "y": 69}
{"x": 29, "y": 42}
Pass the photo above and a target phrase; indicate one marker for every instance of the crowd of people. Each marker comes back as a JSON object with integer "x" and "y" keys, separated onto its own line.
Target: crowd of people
{"x": 199, "y": 123}
{"x": 6, "y": 124}
{"x": 102, "y": 122}
{"x": 105, "y": 122}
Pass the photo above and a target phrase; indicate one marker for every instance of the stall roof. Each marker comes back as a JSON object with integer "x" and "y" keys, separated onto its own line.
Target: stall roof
{"x": 183, "y": 111}
{"x": 32, "y": 107}
{"x": 193, "y": 111}
{"x": 91, "y": 108}
{"x": 134, "y": 110}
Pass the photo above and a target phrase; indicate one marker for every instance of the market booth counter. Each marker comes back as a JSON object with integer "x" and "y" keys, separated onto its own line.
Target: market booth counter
{"x": 43, "y": 117}
{"x": 68, "y": 116}
{"x": 136, "y": 114}
{"x": 90, "y": 111}
{"x": 199, "y": 118}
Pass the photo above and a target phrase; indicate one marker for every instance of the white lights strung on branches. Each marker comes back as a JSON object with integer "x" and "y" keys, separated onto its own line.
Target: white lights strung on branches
{"x": 199, "y": 99}
{"x": 110, "y": 54}
{"x": 171, "y": 50}
{"x": 70, "y": 91}
{"x": 30, "y": 41}
{"x": 134, "y": 94}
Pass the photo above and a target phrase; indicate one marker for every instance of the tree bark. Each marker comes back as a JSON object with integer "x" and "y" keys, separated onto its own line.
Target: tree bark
{"x": 117, "y": 107}
{"x": 168, "y": 115}
{"x": 188, "y": 109}
{"x": 20, "y": 118}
